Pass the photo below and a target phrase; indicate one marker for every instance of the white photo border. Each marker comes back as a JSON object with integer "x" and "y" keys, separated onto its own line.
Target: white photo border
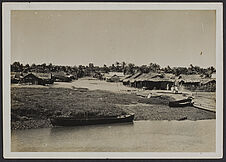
{"x": 7, "y": 7}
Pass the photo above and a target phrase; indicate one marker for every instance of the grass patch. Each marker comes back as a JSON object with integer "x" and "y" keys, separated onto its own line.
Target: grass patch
{"x": 32, "y": 107}
{"x": 45, "y": 102}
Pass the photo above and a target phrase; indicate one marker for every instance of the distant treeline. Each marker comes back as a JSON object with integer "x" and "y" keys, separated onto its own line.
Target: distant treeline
{"x": 126, "y": 68}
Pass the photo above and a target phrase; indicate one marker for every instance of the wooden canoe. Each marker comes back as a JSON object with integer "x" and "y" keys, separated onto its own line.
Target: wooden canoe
{"x": 73, "y": 121}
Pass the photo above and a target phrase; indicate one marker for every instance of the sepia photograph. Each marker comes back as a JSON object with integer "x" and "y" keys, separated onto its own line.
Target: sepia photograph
{"x": 109, "y": 80}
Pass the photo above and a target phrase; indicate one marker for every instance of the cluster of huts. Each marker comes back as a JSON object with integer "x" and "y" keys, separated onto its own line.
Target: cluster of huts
{"x": 150, "y": 81}
{"x": 113, "y": 76}
{"x": 164, "y": 81}
{"x": 40, "y": 78}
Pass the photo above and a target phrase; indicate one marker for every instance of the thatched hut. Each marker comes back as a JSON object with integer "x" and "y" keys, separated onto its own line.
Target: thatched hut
{"x": 62, "y": 77}
{"x": 190, "y": 82}
{"x": 37, "y": 78}
{"x": 125, "y": 77}
{"x": 153, "y": 81}
{"x": 208, "y": 85}
{"x": 15, "y": 77}
{"x": 113, "y": 76}
{"x": 130, "y": 80}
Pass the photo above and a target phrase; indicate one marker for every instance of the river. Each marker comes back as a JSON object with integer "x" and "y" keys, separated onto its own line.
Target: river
{"x": 141, "y": 136}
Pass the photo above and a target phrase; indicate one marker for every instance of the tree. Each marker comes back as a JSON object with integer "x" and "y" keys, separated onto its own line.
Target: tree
{"x": 168, "y": 69}
{"x": 50, "y": 66}
{"x": 211, "y": 69}
{"x": 118, "y": 67}
{"x": 33, "y": 65}
{"x": 43, "y": 65}
{"x": 154, "y": 67}
{"x": 17, "y": 67}
{"x": 75, "y": 68}
{"x": 144, "y": 69}
{"x": 91, "y": 65}
{"x": 123, "y": 66}
{"x": 117, "y": 63}
{"x": 106, "y": 69}
{"x": 129, "y": 69}
{"x": 180, "y": 70}
{"x": 112, "y": 67}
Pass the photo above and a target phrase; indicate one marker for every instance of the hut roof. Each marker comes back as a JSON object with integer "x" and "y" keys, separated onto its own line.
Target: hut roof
{"x": 16, "y": 74}
{"x": 207, "y": 80}
{"x": 26, "y": 75}
{"x": 60, "y": 73}
{"x": 148, "y": 76}
{"x": 40, "y": 75}
{"x": 169, "y": 75}
{"x": 190, "y": 78}
{"x": 111, "y": 74}
{"x": 153, "y": 77}
{"x": 132, "y": 77}
{"x": 125, "y": 77}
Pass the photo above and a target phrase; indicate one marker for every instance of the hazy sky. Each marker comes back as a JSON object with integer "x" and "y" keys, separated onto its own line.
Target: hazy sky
{"x": 174, "y": 38}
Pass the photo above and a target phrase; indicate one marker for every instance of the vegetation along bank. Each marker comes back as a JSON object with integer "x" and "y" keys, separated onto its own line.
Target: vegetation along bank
{"x": 32, "y": 107}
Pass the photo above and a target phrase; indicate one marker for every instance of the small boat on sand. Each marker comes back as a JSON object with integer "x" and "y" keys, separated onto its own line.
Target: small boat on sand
{"x": 73, "y": 121}
{"x": 181, "y": 103}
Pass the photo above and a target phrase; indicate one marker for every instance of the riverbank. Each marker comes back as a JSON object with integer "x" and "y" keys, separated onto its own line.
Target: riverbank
{"x": 32, "y": 106}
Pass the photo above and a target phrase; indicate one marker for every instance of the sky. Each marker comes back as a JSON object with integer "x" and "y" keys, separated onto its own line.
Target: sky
{"x": 174, "y": 38}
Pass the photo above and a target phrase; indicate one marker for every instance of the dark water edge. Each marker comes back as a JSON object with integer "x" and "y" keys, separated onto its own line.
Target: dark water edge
{"x": 40, "y": 123}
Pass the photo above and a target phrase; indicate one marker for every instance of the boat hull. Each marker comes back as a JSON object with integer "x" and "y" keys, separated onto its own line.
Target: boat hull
{"x": 173, "y": 104}
{"x": 181, "y": 103}
{"x": 64, "y": 121}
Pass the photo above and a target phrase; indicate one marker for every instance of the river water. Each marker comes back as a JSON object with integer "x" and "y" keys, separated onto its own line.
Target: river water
{"x": 141, "y": 136}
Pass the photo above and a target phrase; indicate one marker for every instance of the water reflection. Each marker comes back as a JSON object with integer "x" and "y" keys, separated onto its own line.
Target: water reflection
{"x": 54, "y": 131}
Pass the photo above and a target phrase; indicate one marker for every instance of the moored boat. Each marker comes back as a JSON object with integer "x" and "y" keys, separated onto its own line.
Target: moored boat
{"x": 73, "y": 121}
{"x": 181, "y": 103}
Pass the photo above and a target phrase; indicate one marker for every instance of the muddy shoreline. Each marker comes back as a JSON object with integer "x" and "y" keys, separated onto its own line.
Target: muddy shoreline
{"x": 32, "y": 107}
{"x": 142, "y": 115}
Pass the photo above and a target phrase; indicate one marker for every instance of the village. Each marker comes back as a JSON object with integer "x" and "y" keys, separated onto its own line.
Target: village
{"x": 114, "y": 78}
{"x": 35, "y": 92}
{"x": 150, "y": 78}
